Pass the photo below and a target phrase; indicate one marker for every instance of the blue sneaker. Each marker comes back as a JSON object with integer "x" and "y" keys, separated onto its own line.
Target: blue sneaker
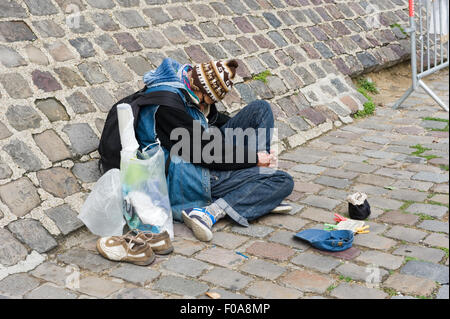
{"x": 200, "y": 221}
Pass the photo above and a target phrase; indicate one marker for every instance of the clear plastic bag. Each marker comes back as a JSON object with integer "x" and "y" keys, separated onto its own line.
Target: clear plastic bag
{"x": 146, "y": 204}
{"x": 102, "y": 210}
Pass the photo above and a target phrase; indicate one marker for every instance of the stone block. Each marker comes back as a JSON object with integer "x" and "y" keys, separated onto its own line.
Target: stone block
{"x": 20, "y": 196}
{"x": 52, "y": 146}
{"x": 65, "y": 218}
{"x": 31, "y": 232}
{"x": 226, "y": 278}
{"x": 58, "y": 181}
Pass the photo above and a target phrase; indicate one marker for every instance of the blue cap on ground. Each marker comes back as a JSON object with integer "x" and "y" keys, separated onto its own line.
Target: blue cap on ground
{"x": 335, "y": 240}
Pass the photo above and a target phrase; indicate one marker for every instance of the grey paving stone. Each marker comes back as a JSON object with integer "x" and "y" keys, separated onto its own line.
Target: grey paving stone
{"x": 397, "y": 174}
{"x": 53, "y": 109}
{"x": 253, "y": 230}
{"x": 136, "y": 293}
{"x": 92, "y": 72}
{"x": 102, "y": 98}
{"x": 410, "y": 285}
{"x": 82, "y": 138}
{"x": 22, "y": 155}
{"x": 434, "y": 225}
{"x": 320, "y": 263}
{"x": 130, "y": 19}
{"x": 262, "y": 268}
{"x": 85, "y": 259}
{"x": 433, "y": 124}
{"x": 65, "y": 218}
{"x": 374, "y": 241}
{"x": 226, "y": 278}
{"x": 309, "y": 169}
{"x": 437, "y": 240}
{"x": 33, "y": 234}
{"x": 20, "y": 196}
{"x": 135, "y": 274}
{"x": 269, "y": 290}
{"x": 83, "y": 46}
{"x": 41, "y": 7}
{"x": 5, "y": 172}
{"x": 185, "y": 266}
{"x": 4, "y": 132}
{"x": 378, "y": 154}
{"x": 340, "y": 173}
{"x": 180, "y": 286}
{"x": 406, "y": 234}
{"x": 12, "y": 9}
{"x": 427, "y": 209}
{"x": 11, "y": 250}
{"x": 58, "y": 181}
{"x": 227, "y": 240}
{"x": 102, "y": 4}
{"x": 385, "y": 260}
{"x": 353, "y": 291}
{"x": 428, "y": 270}
{"x": 333, "y": 182}
{"x": 361, "y": 273}
{"x": 88, "y": 172}
{"x": 421, "y": 253}
{"x": 48, "y": 291}
{"x": 10, "y": 58}
{"x": 104, "y": 21}
{"x": 287, "y": 238}
{"x": 431, "y": 177}
{"x": 98, "y": 287}
{"x": 80, "y": 103}
{"x": 408, "y": 195}
{"x": 51, "y": 272}
{"x": 384, "y": 203}
{"x": 17, "y": 285}
{"x": 118, "y": 71}
{"x": 443, "y": 292}
{"x": 14, "y": 31}
{"x": 321, "y": 202}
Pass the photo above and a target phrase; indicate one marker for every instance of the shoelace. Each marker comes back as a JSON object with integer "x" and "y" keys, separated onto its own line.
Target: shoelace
{"x": 131, "y": 240}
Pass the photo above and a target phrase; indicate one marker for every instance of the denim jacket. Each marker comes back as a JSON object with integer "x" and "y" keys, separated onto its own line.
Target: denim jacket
{"x": 189, "y": 185}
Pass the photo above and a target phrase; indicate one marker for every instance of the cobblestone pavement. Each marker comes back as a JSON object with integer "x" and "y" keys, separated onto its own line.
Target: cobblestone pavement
{"x": 398, "y": 157}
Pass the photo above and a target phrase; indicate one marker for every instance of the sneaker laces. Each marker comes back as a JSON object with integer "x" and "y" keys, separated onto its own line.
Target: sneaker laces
{"x": 131, "y": 240}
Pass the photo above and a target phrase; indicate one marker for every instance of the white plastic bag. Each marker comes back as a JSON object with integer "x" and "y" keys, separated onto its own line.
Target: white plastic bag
{"x": 146, "y": 205}
{"x": 144, "y": 190}
{"x": 102, "y": 210}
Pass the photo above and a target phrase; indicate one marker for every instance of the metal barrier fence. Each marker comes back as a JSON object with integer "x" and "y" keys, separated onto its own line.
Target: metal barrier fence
{"x": 429, "y": 53}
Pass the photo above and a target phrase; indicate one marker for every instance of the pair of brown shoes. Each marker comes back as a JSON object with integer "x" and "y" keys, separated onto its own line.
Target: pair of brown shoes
{"x": 139, "y": 249}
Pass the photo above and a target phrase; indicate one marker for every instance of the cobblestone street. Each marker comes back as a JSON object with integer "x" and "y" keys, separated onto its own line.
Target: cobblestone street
{"x": 65, "y": 63}
{"x": 398, "y": 157}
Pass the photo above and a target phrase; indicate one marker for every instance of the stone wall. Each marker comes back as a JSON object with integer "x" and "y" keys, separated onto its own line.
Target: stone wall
{"x": 63, "y": 63}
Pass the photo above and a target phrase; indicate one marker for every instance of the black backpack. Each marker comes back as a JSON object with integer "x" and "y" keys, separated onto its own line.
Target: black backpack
{"x": 110, "y": 146}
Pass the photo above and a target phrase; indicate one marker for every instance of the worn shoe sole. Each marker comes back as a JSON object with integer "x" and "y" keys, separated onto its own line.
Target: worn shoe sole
{"x": 282, "y": 209}
{"x": 163, "y": 252}
{"x": 201, "y": 232}
{"x": 139, "y": 263}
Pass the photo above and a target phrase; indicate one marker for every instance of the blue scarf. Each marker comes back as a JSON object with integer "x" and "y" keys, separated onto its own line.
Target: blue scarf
{"x": 173, "y": 74}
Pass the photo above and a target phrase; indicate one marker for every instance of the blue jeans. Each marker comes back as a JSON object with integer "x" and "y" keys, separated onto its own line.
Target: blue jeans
{"x": 247, "y": 194}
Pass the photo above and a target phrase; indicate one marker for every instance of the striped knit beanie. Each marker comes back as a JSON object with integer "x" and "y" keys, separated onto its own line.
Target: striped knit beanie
{"x": 214, "y": 78}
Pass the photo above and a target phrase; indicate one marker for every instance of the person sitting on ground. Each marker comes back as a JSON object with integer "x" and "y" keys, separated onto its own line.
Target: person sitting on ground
{"x": 237, "y": 176}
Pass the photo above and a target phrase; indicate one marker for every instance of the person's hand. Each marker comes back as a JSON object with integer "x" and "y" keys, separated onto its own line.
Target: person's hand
{"x": 273, "y": 159}
{"x": 267, "y": 160}
{"x": 263, "y": 159}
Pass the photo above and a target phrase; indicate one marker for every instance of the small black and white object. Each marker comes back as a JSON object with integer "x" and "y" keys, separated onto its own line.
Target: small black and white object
{"x": 358, "y": 206}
